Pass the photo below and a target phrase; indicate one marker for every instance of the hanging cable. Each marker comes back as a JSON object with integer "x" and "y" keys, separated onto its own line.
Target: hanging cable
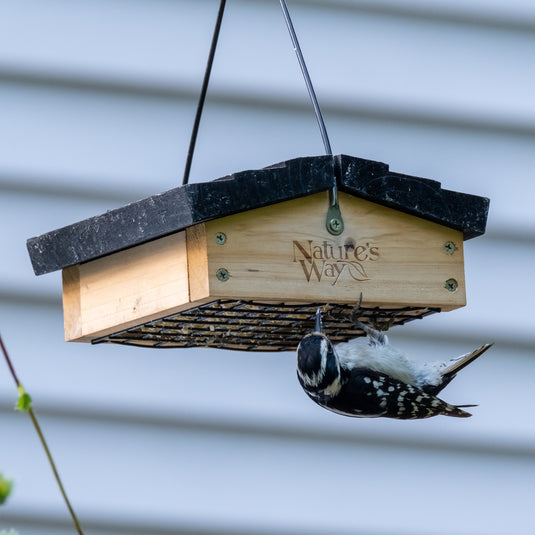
{"x": 334, "y": 222}
{"x": 204, "y": 89}
{"x": 308, "y": 81}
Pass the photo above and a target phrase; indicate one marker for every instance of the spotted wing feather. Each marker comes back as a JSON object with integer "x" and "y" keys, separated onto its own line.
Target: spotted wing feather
{"x": 369, "y": 394}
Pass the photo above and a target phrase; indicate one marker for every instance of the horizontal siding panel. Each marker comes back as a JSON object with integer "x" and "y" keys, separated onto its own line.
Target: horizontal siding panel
{"x": 517, "y": 14}
{"x": 80, "y": 137}
{"x": 231, "y": 480}
{"x": 127, "y": 144}
{"x": 37, "y": 522}
{"x": 355, "y": 105}
{"x": 352, "y": 56}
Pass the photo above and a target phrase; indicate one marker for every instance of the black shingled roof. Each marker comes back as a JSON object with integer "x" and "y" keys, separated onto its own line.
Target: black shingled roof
{"x": 188, "y": 205}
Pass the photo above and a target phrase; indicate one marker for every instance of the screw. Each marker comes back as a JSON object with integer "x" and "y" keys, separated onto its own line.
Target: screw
{"x": 449, "y": 247}
{"x": 451, "y": 285}
{"x": 335, "y": 226}
{"x": 220, "y": 238}
{"x": 222, "y": 275}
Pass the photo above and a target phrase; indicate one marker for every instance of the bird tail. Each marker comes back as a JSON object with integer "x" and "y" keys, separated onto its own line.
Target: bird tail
{"x": 457, "y": 411}
{"x": 458, "y": 364}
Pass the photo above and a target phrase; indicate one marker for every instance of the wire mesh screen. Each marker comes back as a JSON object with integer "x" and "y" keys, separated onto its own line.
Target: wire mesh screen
{"x": 252, "y": 326}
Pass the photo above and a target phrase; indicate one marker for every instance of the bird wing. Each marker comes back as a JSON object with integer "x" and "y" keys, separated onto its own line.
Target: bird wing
{"x": 367, "y": 393}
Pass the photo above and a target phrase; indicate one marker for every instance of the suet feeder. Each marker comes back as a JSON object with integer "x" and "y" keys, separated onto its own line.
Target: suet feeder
{"x": 243, "y": 262}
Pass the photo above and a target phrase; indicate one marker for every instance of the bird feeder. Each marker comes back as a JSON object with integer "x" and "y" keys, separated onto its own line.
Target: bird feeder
{"x": 243, "y": 262}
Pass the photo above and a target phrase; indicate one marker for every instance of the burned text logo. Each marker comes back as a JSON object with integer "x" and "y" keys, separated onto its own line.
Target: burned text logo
{"x": 328, "y": 261}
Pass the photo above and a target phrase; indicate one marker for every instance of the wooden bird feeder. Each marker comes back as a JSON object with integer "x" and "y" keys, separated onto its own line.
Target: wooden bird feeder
{"x": 242, "y": 262}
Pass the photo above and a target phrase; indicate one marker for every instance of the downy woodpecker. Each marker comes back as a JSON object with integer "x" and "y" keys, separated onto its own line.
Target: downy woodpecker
{"x": 368, "y": 378}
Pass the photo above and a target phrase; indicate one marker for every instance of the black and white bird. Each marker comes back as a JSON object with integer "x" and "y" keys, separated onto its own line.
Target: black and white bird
{"x": 368, "y": 378}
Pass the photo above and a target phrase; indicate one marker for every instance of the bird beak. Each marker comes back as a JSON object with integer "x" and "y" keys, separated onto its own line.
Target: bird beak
{"x": 319, "y": 325}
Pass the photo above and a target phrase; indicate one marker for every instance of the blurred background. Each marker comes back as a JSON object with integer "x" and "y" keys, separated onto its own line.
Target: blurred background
{"x": 97, "y": 100}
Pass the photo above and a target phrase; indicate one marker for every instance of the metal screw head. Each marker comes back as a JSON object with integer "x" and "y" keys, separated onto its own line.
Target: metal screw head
{"x": 220, "y": 238}
{"x": 451, "y": 285}
{"x": 222, "y": 275}
{"x": 335, "y": 226}
{"x": 449, "y": 247}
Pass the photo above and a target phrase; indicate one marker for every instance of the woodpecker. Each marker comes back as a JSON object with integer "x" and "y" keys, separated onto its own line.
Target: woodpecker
{"x": 366, "y": 377}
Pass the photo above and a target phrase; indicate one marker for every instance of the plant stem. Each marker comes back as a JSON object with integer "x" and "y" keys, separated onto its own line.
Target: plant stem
{"x": 54, "y": 469}
{"x": 8, "y": 360}
{"x": 43, "y": 442}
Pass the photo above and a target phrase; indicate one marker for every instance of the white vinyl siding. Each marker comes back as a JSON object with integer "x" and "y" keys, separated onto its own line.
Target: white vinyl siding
{"x": 97, "y": 100}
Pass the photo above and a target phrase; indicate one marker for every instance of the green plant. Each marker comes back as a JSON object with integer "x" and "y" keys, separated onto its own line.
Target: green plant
{"x": 5, "y": 489}
{"x": 24, "y": 404}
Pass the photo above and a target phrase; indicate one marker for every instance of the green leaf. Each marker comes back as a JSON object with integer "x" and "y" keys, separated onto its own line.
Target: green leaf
{"x": 5, "y": 489}
{"x": 24, "y": 403}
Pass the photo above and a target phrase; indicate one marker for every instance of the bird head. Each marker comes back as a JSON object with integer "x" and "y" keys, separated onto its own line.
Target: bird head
{"x": 317, "y": 363}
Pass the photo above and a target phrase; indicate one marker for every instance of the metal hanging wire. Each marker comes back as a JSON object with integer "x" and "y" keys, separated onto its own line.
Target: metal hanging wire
{"x": 334, "y": 221}
{"x": 204, "y": 89}
{"x": 206, "y": 80}
{"x": 306, "y": 76}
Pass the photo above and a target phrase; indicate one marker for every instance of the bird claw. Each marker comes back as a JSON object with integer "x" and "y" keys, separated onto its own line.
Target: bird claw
{"x": 374, "y": 319}
{"x": 377, "y": 327}
{"x": 355, "y": 319}
{"x": 354, "y": 312}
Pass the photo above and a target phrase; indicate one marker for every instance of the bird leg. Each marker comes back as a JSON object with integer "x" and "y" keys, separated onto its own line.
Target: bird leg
{"x": 355, "y": 314}
{"x": 376, "y": 333}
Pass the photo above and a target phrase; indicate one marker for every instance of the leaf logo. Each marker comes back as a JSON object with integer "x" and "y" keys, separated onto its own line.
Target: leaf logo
{"x": 357, "y": 271}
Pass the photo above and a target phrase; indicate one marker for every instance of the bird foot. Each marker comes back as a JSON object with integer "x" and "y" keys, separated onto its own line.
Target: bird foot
{"x": 383, "y": 325}
{"x": 378, "y": 324}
